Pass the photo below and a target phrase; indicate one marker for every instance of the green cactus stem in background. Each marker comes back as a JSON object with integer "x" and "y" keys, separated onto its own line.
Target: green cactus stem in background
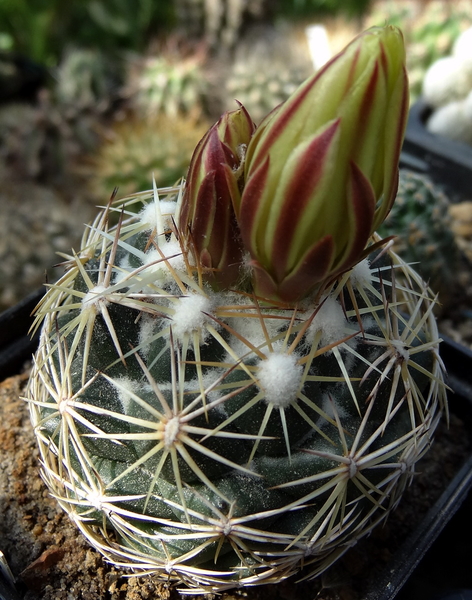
{"x": 422, "y": 224}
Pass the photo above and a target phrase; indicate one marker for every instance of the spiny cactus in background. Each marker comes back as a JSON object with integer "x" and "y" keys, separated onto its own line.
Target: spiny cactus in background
{"x": 135, "y": 150}
{"x": 421, "y": 221}
{"x": 231, "y": 385}
{"x": 268, "y": 67}
{"x": 168, "y": 83}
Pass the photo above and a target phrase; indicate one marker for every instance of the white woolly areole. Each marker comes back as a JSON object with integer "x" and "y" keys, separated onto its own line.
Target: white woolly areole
{"x": 157, "y": 215}
{"x": 280, "y": 378}
{"x": 361, "y": 275}
{"x": 170, "y": 250}
{"x": 93, "y": 296}
{"x": 331, "y": 407}
{"x": 329, "y": 321}
{"x": 190, "y": 315}
{"x": 209, "y": 378}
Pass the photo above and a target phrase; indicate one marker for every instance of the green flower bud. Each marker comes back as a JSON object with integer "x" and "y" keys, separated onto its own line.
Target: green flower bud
{"x": 214, "y": 182}
{"x": 321, "y": 171}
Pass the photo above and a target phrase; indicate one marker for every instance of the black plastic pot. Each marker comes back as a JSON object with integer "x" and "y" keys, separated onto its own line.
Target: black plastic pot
{"x": 435, "y": 558}
{"x": 407, "y": 566}
{"x": 447, "y": 162}
{"x": 16, "y": 343}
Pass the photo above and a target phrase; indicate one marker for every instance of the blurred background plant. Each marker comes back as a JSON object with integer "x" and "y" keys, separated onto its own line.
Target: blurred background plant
{"x": 269, "y": 63}
{"x": 99, "y": 94}
{"x": 135, "y": 150}
{"x": 41, "y": 29}
{"x": 423, "y": 228}
{"x": 168, "y": 79}
{"x": 430, "y": 29}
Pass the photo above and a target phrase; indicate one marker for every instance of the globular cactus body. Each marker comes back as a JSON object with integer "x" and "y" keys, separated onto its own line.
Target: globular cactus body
{"x": 216, "y": 438}
{"x": 422, "y": 224}
{"x": 236, "y": 380}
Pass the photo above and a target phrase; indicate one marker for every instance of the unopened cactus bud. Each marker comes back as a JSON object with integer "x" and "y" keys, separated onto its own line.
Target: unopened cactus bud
{"x": 321, "y": 172}
{"x": 213, "y": 186}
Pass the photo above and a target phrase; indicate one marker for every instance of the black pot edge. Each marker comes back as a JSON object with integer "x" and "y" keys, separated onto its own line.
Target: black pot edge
{"x": 390, "y": 581}
{"x": 17, "y": 345}
{"x": 458, "y": 360}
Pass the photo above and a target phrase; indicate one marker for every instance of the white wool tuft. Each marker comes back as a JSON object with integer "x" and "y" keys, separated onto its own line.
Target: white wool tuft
{"x": 189, "y": 315}
{"x": 157, "y": 214}
{"x": 93, "y": 296}
{"x": 279, "y": 376}
{"x": 451, "y": 121}
{"x": 209, "y": 379}
{"x": 329, "y": 405}
{"x": 361, "y": 275}
{"x": 330, "y": 321}
{"x": 169, "y": 249}
{"x": 122, "y": 270}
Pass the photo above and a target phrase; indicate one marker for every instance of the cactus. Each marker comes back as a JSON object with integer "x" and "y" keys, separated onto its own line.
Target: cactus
{"x": 267, "y": 69}
{"x": 169, "y": 83}
{"x": 136, "y": 150}
{"x": 223, "y": 426}
{"x": 420, "y": 218}
{"x": 223, "y": 441}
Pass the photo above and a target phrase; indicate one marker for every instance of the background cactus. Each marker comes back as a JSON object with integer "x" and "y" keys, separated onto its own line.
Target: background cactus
{"x": 268, "y": 66}
{"x": 168, "y": 82}
{"x": 136, "y": 150}
{"x": 421, "y": 222}
{"x": 215, "y": 439}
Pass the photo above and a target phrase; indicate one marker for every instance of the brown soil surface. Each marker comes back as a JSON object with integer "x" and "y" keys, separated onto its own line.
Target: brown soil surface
{"x": 51, "y": 561}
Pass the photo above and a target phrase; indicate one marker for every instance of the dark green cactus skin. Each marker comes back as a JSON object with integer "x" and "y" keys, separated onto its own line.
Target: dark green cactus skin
{"x": 185, "y": 462}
